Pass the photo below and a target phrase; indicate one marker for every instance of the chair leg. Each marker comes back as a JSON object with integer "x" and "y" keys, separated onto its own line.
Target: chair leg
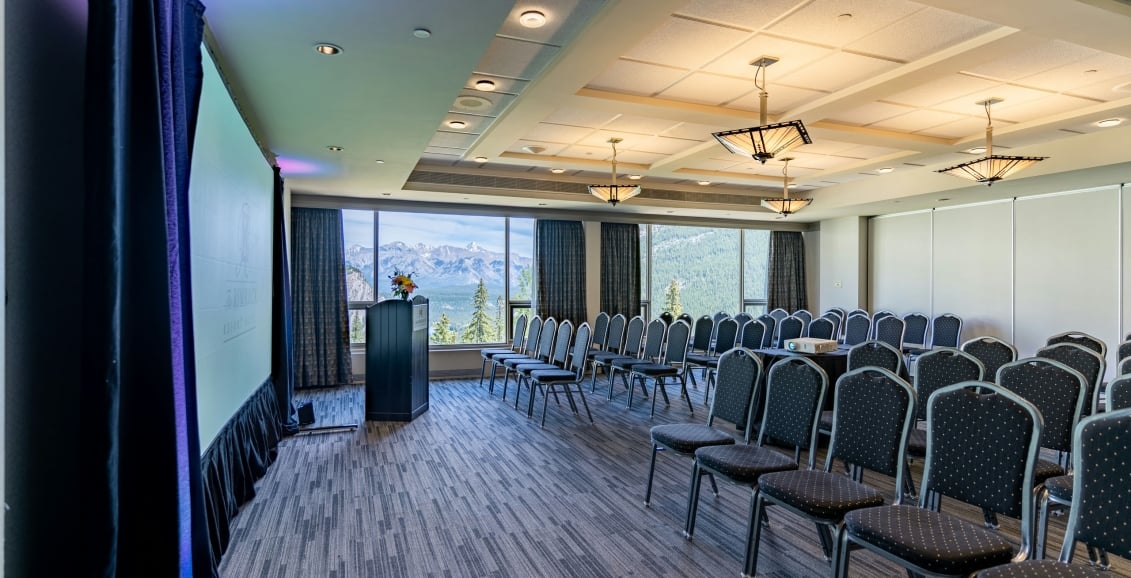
{"x": 909, "y": 482}
{"x": 483, "y": 371}
{"x": 840, "y": 552}
{"x": 753, "y": 531}
{"x": 584, "y": 402}
{"x": 1042, "y": 529}
{"x": 610, "y": 374}
{"x": 530, "y": 403}
{"x": 693, "y": 501}
{"x": 631, "y": 383}
{"x": 714, "y": 486}
{"x": 651, "y": 474}
{"x": 491, "y": 383}
{"x": 824, "y": 533}
{"x": 593, "y": 378}
{"x": 545, "y": 402}
{"x": 686, "y": 394}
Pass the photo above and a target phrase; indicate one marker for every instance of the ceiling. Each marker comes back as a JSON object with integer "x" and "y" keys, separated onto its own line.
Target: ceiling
{"x": 879, "y": 84}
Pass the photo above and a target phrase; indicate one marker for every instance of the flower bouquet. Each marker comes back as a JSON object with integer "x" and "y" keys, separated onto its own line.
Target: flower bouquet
{"x": 402, "y": 284}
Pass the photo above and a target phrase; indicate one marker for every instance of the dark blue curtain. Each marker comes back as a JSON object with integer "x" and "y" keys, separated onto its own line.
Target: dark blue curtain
{"x": 786, "y": 277}
{"x": 320, "y": 309}
{"x": 142, "y": 494}
{"x": 559, "y": 254}
{"x": 620, "y": 269}
{"x": 282, "y": 327}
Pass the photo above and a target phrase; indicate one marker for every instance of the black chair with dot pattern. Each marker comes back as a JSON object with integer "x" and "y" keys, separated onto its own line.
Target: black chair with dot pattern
{"x": 553, "y": 380}
{"x": 992, "y": 352}
{"x": 857, "y": 329}
{"x": 1089, "y": 363}
{"x": 736, "y": 395}
{"x": 1080, "y": 338}
{"x": 701, "y": 349}
{"x": 667, "y": 317}
{"x": 1101, "y": 510}
{"x": 650, "y": 353}
{"x": 982, "y": 450}
{"x": 873, "y": 411}
{"x": 822, "y": 328}
{"x": 726, "y": 338}
{"x": 890, "y": 330}
{"x": 915, "y": 330}
{"x": 876, "y": 317}
{"x": 686, "y": 318}
{"x": 630, "y": 349}
{"x": 671, "y": 366}
{"x": 789, "y": 328}
{"x": 875, "y": 354}
{"x": 1125, "y": 366}
{"x": 1119, "y": 393}
{"x": 837, "y": 316}
{"x": 743, "y": 318}
{"x": 753, "y": 334}
{"x": 1123, "y": 351}
{"x": 516, "y": 346}
{"x": 946, "y": 330}
{"x": 771, "y": 329}
{"x": 795, "y": 389}
{"x": 559, "y": 359}
{"x": 806, "y": 318}
{"x": 778, "y": 314}
{"x": 541, "y": 355}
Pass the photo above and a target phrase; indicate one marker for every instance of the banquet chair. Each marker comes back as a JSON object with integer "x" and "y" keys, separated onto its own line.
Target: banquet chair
{"x": 795, "y": 387}
{"x": 743, "y": 318}
{"x": 671, "y": 366}
{"x": 686, "y": 318}
{"x": 778, "y": 314}
{"x": 889, "y": 329}
{"x": 872, "y": 413}
{"x": 875, "y": 354}
{"x": 1080, "y": 338}
{"x": 1119, "y": 393}
{"x": 533, "y": 336}
{"x": 543, "y": 352}
{"x": 1125, "y": 366}
{"x": 736, "y": 396}
{"x": 982, "y": 450}
{"x": 771, "y": 329}
{"x": 629, "y": 350}
{"x": 726, "y": 339}
{"x": 789, "y": 328}
{"x": 667, "y": 317}
{"x": 701, "y": 349}
{"x": 837, "y": 318}
{"x": 753, "y": 334}
{"x": 558, "y": 359}
{"x": 859, "y": 311}
{"x": 822, "y": 328}
{"x": 1101, "y": 514}
{"x": 915, "y": 330}
{"x": 857, "y": 329}
{"x": 551, "y": 380}
{"x": 1089, "y": 363}
{"x": 717, "y": 318}
{"x": 600, "y": 331}
{"x": 1123, "y": 352}
{"x": 946, "y": 330}
{"x": 650, "y": 353}
{"x": 516, "y": 345}
{"x": 992, "y": 352}
{"x": 614, "y": 344}
{"x": 876, "y": 317}
{"x": 806, "y": 318}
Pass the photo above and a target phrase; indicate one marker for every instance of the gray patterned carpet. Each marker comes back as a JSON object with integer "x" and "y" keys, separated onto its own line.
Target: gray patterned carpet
{"x": 475, "y": 488}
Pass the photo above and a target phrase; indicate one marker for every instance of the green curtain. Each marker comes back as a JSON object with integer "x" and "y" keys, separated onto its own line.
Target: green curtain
{"x": 559, "y": 255}
{"x": 320, "y": 309}
{"x": 620, "y": 269}
{"x": 787, "y": 272}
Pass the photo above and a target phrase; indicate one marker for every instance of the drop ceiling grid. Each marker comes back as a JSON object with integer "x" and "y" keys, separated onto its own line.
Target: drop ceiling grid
{"x": 920, "y": 34}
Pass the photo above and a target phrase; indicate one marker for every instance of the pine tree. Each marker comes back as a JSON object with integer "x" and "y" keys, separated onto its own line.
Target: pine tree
{"x": 480, "y": 329}
{"x": 500, "y": 325}
{"x": 525, "y": 281}
{"x": 671, "y": 299}
{"x": 442, "y": 331}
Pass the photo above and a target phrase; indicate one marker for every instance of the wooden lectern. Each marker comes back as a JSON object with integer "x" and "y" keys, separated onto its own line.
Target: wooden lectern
{"x": 396, "y": 359}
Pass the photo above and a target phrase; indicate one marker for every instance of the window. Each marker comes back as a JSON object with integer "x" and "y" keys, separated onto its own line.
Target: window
{"x": 521, "y": 247}
{"x": 357, "y": 233}
{"x": 695, "y": 270}
{"x": 755, "y": 268}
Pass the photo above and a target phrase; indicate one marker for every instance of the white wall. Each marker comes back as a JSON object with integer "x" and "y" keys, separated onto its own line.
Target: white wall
{"x": 843, "y": 263}
{"x": 1019, "y": 269}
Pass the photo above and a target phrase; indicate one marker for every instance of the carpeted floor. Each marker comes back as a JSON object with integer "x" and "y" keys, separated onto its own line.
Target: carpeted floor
{"x": 475, "y": 488}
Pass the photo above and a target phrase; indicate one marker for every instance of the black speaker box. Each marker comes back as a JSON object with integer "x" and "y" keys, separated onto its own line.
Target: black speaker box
{"x": 306, "y": 413}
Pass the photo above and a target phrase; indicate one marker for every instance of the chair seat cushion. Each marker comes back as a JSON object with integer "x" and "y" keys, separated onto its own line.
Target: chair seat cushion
{"x": 685, "y": 438}
{"x": 1042, "y": 569}
{"x": 823, "y": 495}
{"x": 553, "y": 375}
{"x": 508, "y": 356}
{"x": 608, "y": 356}
{"x": 655, "y": 369}
{"x": 594, "y": 352}
{"x": 628, "y": 362}
{"x": 742, "y": 463}
{"x": 1045, "y": 470}
{"x": 699, "y": 358}
{"x": 917, "y": 443}
{"x": 527, "y": 368}
{"x": 933, "y": 541}
{"x": 511, "y": 362}
{"x": 1060, "y": 487}
{"x": 489, "y": 353}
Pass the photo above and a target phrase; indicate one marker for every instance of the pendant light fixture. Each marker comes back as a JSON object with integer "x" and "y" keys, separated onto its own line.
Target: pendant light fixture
{"x": 765, "y": 141}
{"x": 991, "y": 167}
{"x": 614, "y": 193}
{"x": 785, "y": 206}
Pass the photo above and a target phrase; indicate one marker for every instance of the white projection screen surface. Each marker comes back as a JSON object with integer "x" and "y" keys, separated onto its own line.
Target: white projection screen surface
{"x": 230, "y": 206}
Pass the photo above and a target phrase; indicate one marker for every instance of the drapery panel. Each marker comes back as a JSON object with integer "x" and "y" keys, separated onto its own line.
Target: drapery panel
{"x": 319, "y": 307}
{"x": 140, "y": 456}
{"x": 786, "y": 278}
{"x": 282, "y": 326}
{"x": 559, "y": 255}
{"x": 620, "y": 269}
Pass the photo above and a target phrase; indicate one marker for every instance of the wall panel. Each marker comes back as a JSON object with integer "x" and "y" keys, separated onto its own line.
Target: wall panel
{"x": 972, "y": 267}
{"x": 900, "y": 262}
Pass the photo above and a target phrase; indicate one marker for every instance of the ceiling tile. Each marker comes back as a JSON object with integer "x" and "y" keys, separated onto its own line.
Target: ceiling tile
{"x": 1107, "y": 90}
{"x": 1034, "y": 109}
{"x": 922, "y": 33}
{"x": 636, "y": 78}
{"x": 601, "y": 138}
{"x": 515, "y": 58}
{"x": 837, "y": 71}
{"x": 828, "y": 147}
{"x": 802, "y": 159}
{"x": 1035, "y": 58}
{"x": 439, "y": 156}
{"x": 704, "y": 88}
{"x": 867, "y": 152}
{"x": 685, "y": 43}
{"x": 580, "y": 117}
{"x": 782, "y": 98}
{"x": 557, "y": 133}
{"x": 638, "y": 157}
{"x": 601, "y": 153}
{"x": 949, "y": 87}
{"x": 821, "y": 22}
{"x": 1098, "y": 68}
{"x": 551, "y": 148}
{"x": 446, "y": 139}
{"x": 692, "y": 131}
{"x": 917, "y": 120}
{"x": 870, "y": 113}
{"x": 962, "y": 128}
{"x": 1011, "y": 94}
{"x": 792, "y": 56}
{"x": 640, "y": 125}
{"x": 713, "y": 164}
{"x": 740, "y": 13}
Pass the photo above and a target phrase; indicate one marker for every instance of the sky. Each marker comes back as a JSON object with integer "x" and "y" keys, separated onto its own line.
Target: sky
{"x": 435, "y": 230}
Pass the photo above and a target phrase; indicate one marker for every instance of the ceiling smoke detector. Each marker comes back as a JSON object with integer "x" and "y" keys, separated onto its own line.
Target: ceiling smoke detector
{"x": 472, "y": 103}
{"x": 534, "y": 149}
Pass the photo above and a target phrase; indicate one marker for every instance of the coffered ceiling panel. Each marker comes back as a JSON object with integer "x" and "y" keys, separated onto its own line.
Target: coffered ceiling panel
{"x": 704, "y": 88}
{"x": 515, "y": 58}
{"x": 922, "y": 33}
{"x": 557, "y": 133}
{"x": 1041, "y": 56}
{"x": 1010, "y": 94}
{"x": 740, "y": 13}
{"x": 1094, "y": 69}
{"x": 918, "y": 120}
{"x": 641, "y": 124}
{"x": 870, "y": 113}
{"x": 550, "y": 148}
{"x": 782, "y": 98}
{"x": 964, "y": 127}
{"x": 840, "y": 70}
{"x": 592, "y": 153}
{"x": 792, "y": 56}
{"x": 949, "y": 87}
{"x": 685, "y": 43}
{"x": 665, "y": 145}
{"x": 637, "y": 78}
{"x": 580, "y": 117}
{"x": 1107, "y": 90}
{"x": 1047, "y": 106}
{"x": 714, "y": 164}
{"x": 840, "y": 22}
{"x": 692, "y": 131}
{"x": 630, "y": 141}
{"x": 452, "y": 140}
{"x": 638, "y": 157}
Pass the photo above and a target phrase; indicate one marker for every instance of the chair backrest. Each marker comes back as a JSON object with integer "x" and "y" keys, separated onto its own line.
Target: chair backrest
{"x": 841, "y": 316}
{"x": 701, "y": 338}
{"x": 992, "y": 352}
{"x": 546, "y": 339}
{"x": 1080, "y": 338}
{"x": 667, "y": 318}
{"x": 678, "y": 335}
{"x": 875, "y": 354}
{"x": 837, "y": 321}
{"x": 1119, "y": 393}
{"x": 654, "y": 339}
{"x": 822, "y": 328}
{"x": 771, "y": 326}
{"x": 946, "y": 330}
{"x": 915, "y": 329}
{"x": 941, "y": 367}
{"x": 1057, "y": 390}
{"x": 789, "y": 328}
{"x": 982, "y": 449}
{"x": 562, "y": 341}
{"x": 1086, "y": 361}
{"x": 726, "y": 335}
{"x": 1125, "y": 366}
{"x": 795, "y": 388}
{"x": 633, "y": 336}
{"x": 743, "y": 318}
{"x": 889, "y": 329}
{"x": 614, "y": 340}
{"x": 686, "y": 318}
{"x": 857, "y": 329}
{"x": 519, "y": 332}
{"x": 581, "y": 344}
{"x": 736, "y": 380}
{"x": 1124, "y": 351}
{"x": 1100, "y": 509}
{"x": 803, "y": 315}
{"x": 859, "y": 311}
{"x": 600, "y": 330}
{"x": 753, "y": 334}
{"x": 876, "y": 317}
{"x": 872, "y": 414}
{"x": 533, "y": 333}
{"x": 719, "y": 316}
{"x": 778, "y": 314}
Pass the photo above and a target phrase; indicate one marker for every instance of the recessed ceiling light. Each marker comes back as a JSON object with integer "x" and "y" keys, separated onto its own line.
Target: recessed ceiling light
{"x": 327, "y": 49}
{"x": 422, "y": 33}
{"x": 541, "y": 204}
{"x": 1091, "y": 71}
{"x": 704, "y": 183}
{"x": 1109, "y": 122}
{"x": 534, "y": 149}
{"x": 944, "y": 199}
{"x": 844, "y": 17}
{"x": 472, "y": 103}
{"x": 884, "y": 170}
{"x": 670, "y": 212}
{"x": 976, "y": 150}
{"x": 793, "y": 185}
{"x": 386, "y": 194}
{"x": 480, "y": 159}
{"x": 485, "y": 85}
{"x": 557, "y": 171}
{"x": 457, "y": 124}
{"x": 335, "y": 148}
{"x": 532, "y": 19}
{"x": 636, "y": 177}
{"x": 380, "y": 161}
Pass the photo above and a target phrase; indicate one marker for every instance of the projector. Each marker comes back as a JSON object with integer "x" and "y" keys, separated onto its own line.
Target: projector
{"x": 810, "y": 345}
